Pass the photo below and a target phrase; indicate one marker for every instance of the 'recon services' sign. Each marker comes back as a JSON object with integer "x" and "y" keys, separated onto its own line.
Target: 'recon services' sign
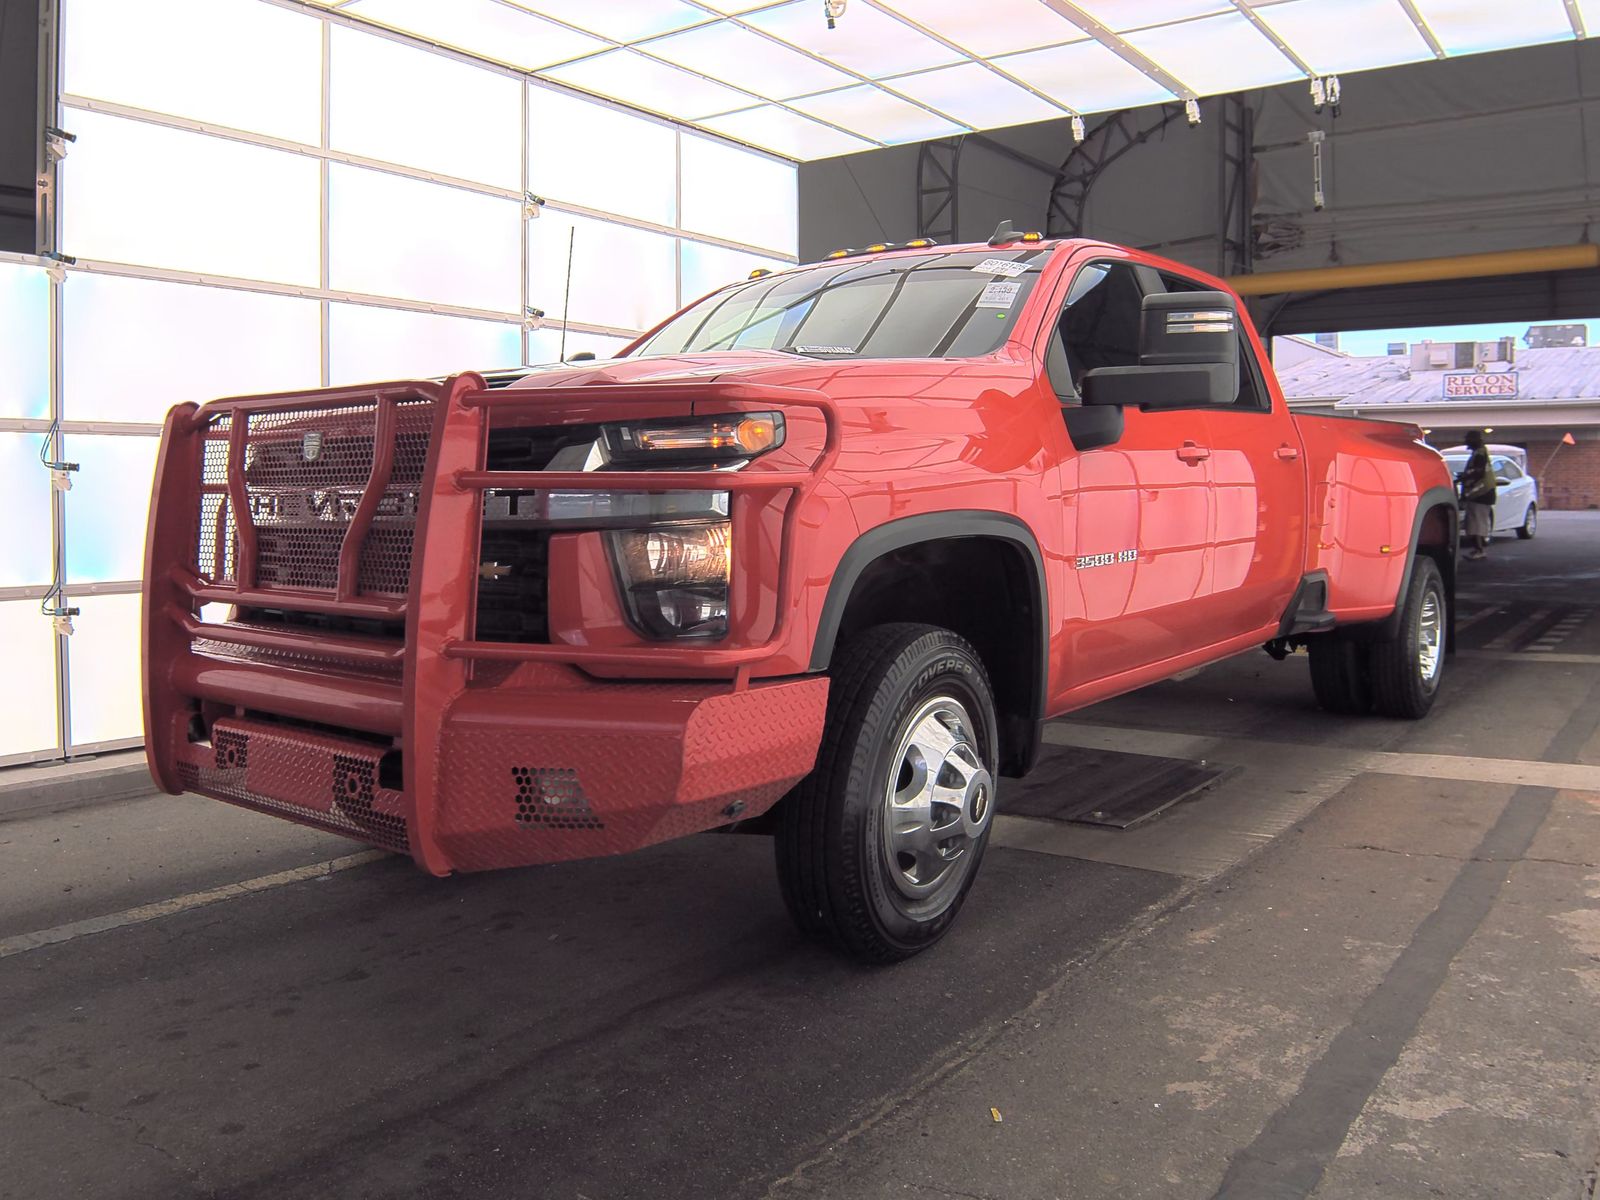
{"x": 1480, "y": 385}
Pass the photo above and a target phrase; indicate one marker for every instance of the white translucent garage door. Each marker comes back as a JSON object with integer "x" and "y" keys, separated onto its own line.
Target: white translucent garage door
{"x": 261, "y": 199}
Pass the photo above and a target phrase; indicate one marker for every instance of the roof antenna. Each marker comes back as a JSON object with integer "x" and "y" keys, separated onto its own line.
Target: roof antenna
{"x": 1003, "y": 233}
{"x": 566, "y": 296}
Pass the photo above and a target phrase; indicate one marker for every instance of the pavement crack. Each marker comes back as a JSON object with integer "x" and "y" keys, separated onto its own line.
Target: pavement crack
{"x": 1460, "y": 858}
{"x": 1409, "y": 853}
{"x": 135, "y": 1130}
{"x": 46, "y": 1097}
{"x": 945, "y": 1191}
{"x": 890, "y": 1106}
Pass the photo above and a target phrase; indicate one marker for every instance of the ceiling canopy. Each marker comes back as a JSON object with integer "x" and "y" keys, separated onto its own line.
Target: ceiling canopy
{"x": 774, "y": 75}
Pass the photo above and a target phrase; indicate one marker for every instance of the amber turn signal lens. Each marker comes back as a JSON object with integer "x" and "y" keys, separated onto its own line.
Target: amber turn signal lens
{"x": 756, "y": 434}
{"x": 709, "y": 440}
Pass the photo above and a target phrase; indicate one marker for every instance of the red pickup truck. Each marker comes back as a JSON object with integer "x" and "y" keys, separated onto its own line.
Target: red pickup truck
{"x": 817, "y": 556}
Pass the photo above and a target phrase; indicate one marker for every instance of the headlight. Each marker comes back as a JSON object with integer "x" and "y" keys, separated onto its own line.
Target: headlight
{"x": 732, "y": 437}
{"x": 675, "y": 578}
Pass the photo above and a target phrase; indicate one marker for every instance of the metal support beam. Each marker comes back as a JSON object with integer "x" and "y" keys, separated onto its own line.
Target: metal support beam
{"x": 1584, "y": 256}
{"x": 1235, "y": 186}
{"x": 1082, "y": 168}
{"x": 939, "y": 189}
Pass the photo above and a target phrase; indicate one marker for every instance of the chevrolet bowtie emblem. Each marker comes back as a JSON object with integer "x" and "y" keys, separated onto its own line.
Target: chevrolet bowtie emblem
{"x": 493, "y": 570}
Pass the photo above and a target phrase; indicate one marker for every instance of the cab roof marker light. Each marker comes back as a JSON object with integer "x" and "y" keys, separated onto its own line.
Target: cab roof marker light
{"x": 838, "y": 254}
{"x": 1030, "y": 238}
{"x": 920, "y": 243}
{"x": 760, "y": 273}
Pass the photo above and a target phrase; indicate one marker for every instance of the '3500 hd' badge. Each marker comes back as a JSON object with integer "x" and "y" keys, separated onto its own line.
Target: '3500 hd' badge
{"x": 1085, "y": 561}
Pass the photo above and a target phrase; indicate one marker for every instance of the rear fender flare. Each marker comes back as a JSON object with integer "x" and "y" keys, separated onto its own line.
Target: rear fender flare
{"x": 1434, "y": 497}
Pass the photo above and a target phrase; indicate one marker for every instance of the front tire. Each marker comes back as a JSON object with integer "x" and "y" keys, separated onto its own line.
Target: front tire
{"x": 878, "y": 846}
{"x": 1530, "y": 523}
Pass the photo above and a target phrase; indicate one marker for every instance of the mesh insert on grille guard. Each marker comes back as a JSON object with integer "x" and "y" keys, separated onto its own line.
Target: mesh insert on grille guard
{"x": 305, "y": 474}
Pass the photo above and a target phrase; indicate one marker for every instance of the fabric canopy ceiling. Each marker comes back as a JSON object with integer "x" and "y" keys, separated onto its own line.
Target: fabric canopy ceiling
{"x": 772, "y": 74}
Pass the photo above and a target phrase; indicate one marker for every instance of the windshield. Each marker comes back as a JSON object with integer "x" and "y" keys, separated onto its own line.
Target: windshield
{"x": 954, "y": 304}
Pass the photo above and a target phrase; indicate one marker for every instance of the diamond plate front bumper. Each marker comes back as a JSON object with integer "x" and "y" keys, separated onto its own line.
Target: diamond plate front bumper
{"x": 468, "y": 755}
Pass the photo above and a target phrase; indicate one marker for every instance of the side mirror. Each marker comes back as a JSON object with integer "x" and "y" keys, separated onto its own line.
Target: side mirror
{"x": 582, "y": 356}
{"x": 1188, "y": 356}
{"x": 1503, "y": 482}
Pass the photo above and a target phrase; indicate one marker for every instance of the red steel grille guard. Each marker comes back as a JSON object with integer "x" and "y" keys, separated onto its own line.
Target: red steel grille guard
{"x": 436, "y": 653}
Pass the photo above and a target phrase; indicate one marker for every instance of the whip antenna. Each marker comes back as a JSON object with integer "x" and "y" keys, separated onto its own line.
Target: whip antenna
{"x": 566, "y": 295}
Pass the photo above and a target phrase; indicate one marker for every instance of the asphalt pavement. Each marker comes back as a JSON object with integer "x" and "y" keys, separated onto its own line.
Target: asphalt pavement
{"x": 1365, "y": 963}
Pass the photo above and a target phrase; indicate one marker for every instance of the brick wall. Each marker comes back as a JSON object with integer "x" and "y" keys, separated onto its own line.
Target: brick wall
{"x": 1572, "y": 480}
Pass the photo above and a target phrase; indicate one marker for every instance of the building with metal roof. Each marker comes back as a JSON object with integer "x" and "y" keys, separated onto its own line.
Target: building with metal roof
{"x": 1525, "y": 397}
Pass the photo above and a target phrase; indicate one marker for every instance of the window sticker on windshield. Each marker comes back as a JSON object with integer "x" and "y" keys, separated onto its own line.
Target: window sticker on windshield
{"x": 1001, "y": 266}
{"x": 823, "y": 350}
{"x": 1000, "y": 294}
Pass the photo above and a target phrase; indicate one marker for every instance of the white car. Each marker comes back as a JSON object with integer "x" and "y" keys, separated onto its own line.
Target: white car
{"x": 1516, "y": 500}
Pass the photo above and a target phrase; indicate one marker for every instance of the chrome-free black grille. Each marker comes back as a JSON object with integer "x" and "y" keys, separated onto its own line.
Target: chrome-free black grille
{"x": 513, "y": 586}
{"x": 514, "y": 563}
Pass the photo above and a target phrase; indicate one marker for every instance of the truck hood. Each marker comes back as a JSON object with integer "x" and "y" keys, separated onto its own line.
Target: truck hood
{"x": 767, "y": 365}
{"x": 842, "y": 378}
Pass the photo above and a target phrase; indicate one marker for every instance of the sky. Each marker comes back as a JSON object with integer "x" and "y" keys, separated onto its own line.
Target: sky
{"x": 1376, "y": 341}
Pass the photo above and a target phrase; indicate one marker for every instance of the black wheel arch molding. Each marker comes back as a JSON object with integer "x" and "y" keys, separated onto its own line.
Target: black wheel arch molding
{"x": 956, "y": 524}
{"x": 1441, "y": 497}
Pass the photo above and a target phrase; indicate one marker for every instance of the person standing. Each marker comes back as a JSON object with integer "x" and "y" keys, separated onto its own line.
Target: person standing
{"x": 1477, "y": 483}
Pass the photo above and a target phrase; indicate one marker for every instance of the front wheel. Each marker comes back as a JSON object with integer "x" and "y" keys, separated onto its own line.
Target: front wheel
{"x": 1530, "y": 523}
{"x": 878, "y": 846}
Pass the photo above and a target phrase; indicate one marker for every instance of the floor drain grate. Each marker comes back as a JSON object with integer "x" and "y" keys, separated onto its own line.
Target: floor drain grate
{"x": 1106, "y": 788}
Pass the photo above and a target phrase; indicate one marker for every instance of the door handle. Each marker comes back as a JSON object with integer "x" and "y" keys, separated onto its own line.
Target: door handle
{"x": 1192, "y": 454}
{"x": 1287, "y": 452}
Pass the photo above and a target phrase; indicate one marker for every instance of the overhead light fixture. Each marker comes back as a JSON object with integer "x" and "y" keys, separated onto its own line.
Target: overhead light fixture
{"x": 833, "y": 10}
{"x": 1078, "y": 131}
{"x": 1325, "y": 90}
{"x": 532, "y": 206}
{"x": 1191, "y": 109}
{"x": 57, "y": 141}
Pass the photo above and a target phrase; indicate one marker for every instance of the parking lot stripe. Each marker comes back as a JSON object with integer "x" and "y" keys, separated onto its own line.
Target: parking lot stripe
{"x": 1511, "y": 637}
{"x": 1197, "y": 840}
{"x": 23, "y": 942}
{"x": 1483, "y": 614}
{"x": 1544, "y": 656}
{"x": 1467, "y": 768}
